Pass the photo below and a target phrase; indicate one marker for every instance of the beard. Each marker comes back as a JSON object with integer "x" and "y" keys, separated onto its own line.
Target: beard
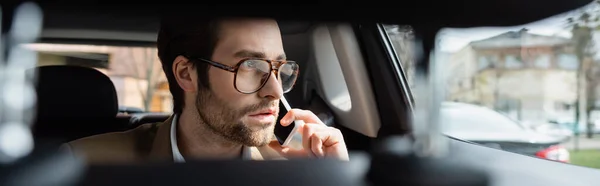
{"x": 227, "y": 122}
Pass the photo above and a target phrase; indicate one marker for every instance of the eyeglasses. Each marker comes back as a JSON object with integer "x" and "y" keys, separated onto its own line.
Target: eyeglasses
{"x": 252, "y": 74}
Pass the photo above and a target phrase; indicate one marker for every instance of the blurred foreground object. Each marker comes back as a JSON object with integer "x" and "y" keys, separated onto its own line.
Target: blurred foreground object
{"x": 17, "y": 95}
{"x": 20, "y": 164}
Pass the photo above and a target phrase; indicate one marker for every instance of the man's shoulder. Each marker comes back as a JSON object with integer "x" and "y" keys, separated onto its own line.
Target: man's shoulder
{"x": 126, "y": 146}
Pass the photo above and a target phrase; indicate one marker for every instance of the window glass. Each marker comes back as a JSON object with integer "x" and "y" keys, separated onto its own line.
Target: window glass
{"x": 402, "y": 37}
{"x": 484, "y": 62}
{"x": 466, "y": 117}
{"x": 512, "y": 61}
{"x": 533, "y": 89}
{"x": 542, "y": 61}
{"x": 568, "y": 61}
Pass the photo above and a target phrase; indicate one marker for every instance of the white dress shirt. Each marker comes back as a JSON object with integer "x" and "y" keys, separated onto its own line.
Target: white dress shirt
{"x": 178, "y": 158}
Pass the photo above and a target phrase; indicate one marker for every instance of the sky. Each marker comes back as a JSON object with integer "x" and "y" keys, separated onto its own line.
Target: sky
{"x": 452, "y": 39}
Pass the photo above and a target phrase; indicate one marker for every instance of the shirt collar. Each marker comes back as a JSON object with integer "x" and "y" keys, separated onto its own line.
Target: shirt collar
{"x": 178, "y": 158}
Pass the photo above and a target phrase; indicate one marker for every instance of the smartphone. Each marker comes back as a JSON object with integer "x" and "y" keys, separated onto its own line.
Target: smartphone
{"x": 285, "y": 134}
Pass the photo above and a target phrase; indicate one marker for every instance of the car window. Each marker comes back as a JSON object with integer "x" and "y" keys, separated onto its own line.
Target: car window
{"x": 135, "y": 72}
{"x": 535, "y": 86}
{"x": 476, "y": 119}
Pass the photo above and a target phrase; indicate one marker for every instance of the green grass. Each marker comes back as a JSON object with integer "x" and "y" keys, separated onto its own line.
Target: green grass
{"x": 587, "y": 158}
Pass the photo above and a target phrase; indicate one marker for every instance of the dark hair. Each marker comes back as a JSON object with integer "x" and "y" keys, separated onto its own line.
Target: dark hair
{"x": 192, "y": 37}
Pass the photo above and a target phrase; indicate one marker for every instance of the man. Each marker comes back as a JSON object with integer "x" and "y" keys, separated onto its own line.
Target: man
{"x": 226, "y": 76}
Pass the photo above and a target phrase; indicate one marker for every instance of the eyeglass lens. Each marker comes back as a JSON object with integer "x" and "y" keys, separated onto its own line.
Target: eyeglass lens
{"x": 253, "y": 74}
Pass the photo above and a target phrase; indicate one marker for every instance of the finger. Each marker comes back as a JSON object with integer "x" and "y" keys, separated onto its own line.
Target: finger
{"x": 331, "y": 143}
{"x": 317, "y": 144}
{"x": 311, "y": 126}
{"x": 331, "y": 137}
{"x": 286, "y": 151}
{"x": 297, "y": 114}
{"x": 307, "y": 131}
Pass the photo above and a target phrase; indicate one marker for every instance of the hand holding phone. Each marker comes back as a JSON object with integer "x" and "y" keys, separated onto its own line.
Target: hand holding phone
{"x": 284, "y": 134}
{"x": 318, "y": 139}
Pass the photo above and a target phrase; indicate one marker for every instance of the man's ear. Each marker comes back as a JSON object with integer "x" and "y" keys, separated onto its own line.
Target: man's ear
{"x": 185, "y": 74}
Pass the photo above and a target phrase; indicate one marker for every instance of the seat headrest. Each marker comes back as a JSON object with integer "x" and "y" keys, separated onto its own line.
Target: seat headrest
{"x": 73, "y": 91}
{"x": 143, "y": 118}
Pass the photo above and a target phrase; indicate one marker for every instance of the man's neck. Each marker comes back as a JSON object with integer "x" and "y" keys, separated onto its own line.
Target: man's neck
{"x": 195, "y": 140}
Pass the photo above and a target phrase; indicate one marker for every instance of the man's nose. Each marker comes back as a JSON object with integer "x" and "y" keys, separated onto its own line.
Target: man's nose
{"x": 272, "y": 88}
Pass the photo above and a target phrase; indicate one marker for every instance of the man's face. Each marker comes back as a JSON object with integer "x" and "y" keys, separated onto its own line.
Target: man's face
{"x": 248, "y": 119}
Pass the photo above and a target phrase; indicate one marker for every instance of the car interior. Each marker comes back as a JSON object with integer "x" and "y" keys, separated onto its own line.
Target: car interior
{"x": 349, "y": 77}
{"x": 321, "y": 87}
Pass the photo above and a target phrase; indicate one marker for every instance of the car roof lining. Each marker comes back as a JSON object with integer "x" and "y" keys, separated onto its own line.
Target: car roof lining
{"x": 137, "y": 24}
{"x": 471, "y": 12}
{"x": 82, "y": 35}
{"x": 115, "y": 29}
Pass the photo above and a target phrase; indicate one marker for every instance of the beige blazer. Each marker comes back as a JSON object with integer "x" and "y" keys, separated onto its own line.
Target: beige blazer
{"x": 148, "y": 142}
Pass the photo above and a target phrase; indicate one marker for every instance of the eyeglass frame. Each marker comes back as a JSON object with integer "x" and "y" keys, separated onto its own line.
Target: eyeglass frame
{"x": 234, "y": 70}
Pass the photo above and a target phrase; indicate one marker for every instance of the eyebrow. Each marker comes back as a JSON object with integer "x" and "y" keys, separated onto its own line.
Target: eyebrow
{"x": 254, "y": 54}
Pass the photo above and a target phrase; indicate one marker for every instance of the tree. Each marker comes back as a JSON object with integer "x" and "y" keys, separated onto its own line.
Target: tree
{"x": 146, "y": 68}
{"x": 402, "y": 37}
{"x": 583, "y": 24}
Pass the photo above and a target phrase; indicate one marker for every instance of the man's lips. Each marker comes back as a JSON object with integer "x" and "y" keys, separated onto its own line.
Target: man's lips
{"x": 265, "y": 117}
{"x": 270, "y": 111}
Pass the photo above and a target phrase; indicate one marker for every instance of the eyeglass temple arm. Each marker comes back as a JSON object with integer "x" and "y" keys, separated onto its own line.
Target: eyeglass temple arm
{"x": 219, "y": 65}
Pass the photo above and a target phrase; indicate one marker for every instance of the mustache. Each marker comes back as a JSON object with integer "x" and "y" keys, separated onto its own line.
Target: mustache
{"x": 265, "y": 104}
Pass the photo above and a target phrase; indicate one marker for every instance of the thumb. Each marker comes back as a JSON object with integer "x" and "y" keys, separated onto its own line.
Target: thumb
{"x": 288, "y": 152}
